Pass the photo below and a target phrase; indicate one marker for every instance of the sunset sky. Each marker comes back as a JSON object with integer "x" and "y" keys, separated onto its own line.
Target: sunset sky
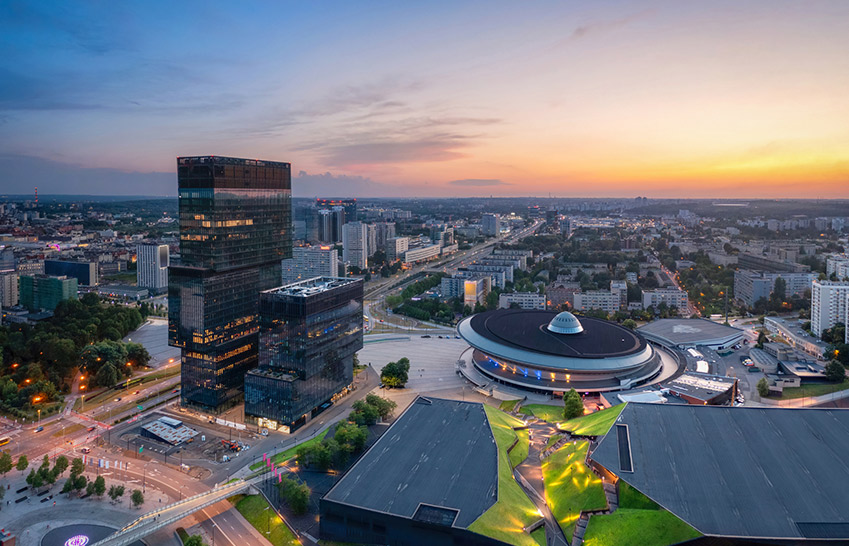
{"x": 602, "y": 98}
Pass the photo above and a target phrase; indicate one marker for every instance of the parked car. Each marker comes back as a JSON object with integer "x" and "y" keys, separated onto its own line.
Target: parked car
{"x": 39, "y": 429}
{"x": 86, "y": 450}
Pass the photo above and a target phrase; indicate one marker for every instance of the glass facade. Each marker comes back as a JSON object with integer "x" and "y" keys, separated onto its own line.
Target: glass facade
{"x": 309, "y": 333}
{"x": 235, "y": 218}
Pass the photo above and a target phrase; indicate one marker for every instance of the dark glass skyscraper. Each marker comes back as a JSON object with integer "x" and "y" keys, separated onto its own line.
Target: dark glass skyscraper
{"x": 235, "y": 227}
{"x": 309, "y": 332}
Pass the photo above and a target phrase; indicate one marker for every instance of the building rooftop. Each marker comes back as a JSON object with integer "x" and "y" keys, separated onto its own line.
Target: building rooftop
{"x": 529, "y": 330}
{"x": 689, "y": 331}
{"x": 221, "y": 160}
{"x": 164, "y": 429}
{"x": 738, "y": 472}
{"x": 703, "y": 386}
{"x": 311, "y": 287}
{"x": 439, "y": 454}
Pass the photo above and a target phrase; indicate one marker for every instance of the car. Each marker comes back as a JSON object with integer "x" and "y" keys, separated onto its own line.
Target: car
{"x": 175, "y": 390}
{"x": 426, "y": 336}
{"x": 91, "y": 429}
{"x": 136, "y": 392}
{"x": 440, "y": 337}
{"x": 86, "y": 450}
{"x": 118, "y": 399}
{"x": 39, "y": 429}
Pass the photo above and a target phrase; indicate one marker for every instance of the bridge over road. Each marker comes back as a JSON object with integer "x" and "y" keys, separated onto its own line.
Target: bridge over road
{"x": 173, "y": 513}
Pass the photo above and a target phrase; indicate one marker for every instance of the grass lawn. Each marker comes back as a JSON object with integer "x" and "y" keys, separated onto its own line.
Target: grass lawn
{"x": 594, "y": 424}
{"x": 553, "y": 440}
{"x": 506, "y": 519}
{"x": 552, "y": 414}
{"x": 292, "y": 451}
{"x": 539, "y": 535}
{"x": 815, "y": 389}
{"x": 631, "y": 498}
{"x": 508, "y": 405}
{"x": 570, "y": 486}
{"x": 630, "y": 527}
{"x": 253, "y": 508}
{"x": 69, "y": 429}
{"x": 520, "y": 451}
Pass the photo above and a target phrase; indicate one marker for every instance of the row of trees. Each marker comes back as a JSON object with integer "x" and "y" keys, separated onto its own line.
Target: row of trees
{"x": 349, "y": 437}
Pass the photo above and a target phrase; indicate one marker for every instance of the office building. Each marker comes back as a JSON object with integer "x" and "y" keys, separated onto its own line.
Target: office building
{"x": 152, "y": 268}
{"x": 472, "y": 289}
{"x": 330, "y": 223}
{"x": 422, "y": 253}
{"x": 371, "y": 240}
{"x": 309, "y": 333}
{"x": 491, "y": 225}
{"x": 383, "y": 231}
{"x": 552, "y": 220}
{"x": 396, "y": 247}
{"x": 829, "y": 302}
{"x": 45, "y": 292}
{"x": 355, "y": 244}
{"x": 308, "y": 262}
{"x": 763, "y": 263}
{"x": 84, "y": 272}
{"x": 522, "y": 300}
{"x": 8, "y": 288}
{"x": 441, "y": 483}
{"x": 235, "y": 228}
{"x": 752, "y": 286}
{"x": 672, "y": 297}
{"x": 348, "y": 206}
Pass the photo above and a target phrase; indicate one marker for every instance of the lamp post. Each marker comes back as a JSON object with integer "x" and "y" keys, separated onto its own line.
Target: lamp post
{"x": 267, "y": 520}
{"x": 39, "y": 417}
{"x": 181, "y": 492}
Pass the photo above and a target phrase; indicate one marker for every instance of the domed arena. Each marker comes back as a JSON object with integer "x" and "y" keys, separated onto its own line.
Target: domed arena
{"x": 545, "y": 351}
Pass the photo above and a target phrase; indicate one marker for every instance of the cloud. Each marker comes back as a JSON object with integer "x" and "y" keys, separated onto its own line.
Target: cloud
{"x": 478, "y": 182}
{"x": 584, "y": 30}
{"x": 19, "y": 174}
{"x": 330, "y": 185}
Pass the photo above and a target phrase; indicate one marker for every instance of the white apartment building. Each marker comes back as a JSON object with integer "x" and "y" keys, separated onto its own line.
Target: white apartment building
{"x": 308, "y": 262}
{"x": 152, "y": 268}
{"x": 670, "y": 296}
{"x": 422, "y": 253}
{"x": 525, "y": 300}
{"x": 829, "y": 305}
{"x": 355, "y": 244}
{"x": 8, "y": 288}
{"x": 604, "y": 300}
{"x": 837, "y": 265}
{"x": 396, "y": 247}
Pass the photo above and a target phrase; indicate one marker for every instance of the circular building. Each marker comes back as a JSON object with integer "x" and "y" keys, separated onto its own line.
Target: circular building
{"x": 547, "y": 351}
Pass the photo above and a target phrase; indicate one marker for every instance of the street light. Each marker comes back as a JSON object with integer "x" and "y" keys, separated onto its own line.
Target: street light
{"x": 267, "y": 520}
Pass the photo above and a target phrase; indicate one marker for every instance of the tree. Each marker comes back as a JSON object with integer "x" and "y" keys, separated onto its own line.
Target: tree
{"x": 364, "y": 414}
{"x": 384, "y": 407}
{"x": 80, "y": 482}
{"x": 77, "y": 466}
{"x": 351, "y": 437}
{"x": 137, "y": 354}
{"x": 137, "y": 498}
{"x": 106, "y": 376}
{"x": 834, "y": 371}
{"x": 573, "y": 404}
{"x": 99, "y": 486}
{"x": 61, "y": 465}
{"x": 23, "y": 463}
{"x": 631, "y": 324}
{"x": 5, "y": 463}
{"x": 89, "y": 489}
{"x": 116, "y": 491}
{"x": 395, "y": 374}
{"x": 69, "y": 485}
{"x": 761, "y": 340}
{"x": 194, "y": 540}
{"x": 763, "y": 387}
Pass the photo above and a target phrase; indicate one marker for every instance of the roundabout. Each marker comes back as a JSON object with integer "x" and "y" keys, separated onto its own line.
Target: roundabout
{"x": 79, "y": 534}
{"x": 549, "y": 352}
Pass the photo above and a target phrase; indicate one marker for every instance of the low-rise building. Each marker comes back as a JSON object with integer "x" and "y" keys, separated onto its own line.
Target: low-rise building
{"x": 525, "y": 300}
{"x": 603, "y": 300}
{"x": 672, "y": 297}
{"x": 422, "y": 254}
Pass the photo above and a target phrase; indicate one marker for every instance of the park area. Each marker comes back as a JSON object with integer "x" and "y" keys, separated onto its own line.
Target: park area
{"x": 639, "y": 521}
{"x": 506, "y": 519}
{"x": 570, "y": 486}
{"x": 594, "y": 424}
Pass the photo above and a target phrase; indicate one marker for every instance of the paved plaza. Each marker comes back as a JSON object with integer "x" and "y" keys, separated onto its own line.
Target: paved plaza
{"x": 153, "y": 334}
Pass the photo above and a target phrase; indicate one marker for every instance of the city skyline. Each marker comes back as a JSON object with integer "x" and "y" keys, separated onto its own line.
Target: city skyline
{"x": 622, "y": 99}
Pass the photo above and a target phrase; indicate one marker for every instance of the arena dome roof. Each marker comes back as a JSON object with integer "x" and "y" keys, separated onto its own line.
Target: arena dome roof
{"x": 565, "y": 323}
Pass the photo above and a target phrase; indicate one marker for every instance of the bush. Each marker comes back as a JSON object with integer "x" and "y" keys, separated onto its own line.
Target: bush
{"x": 296, "y": 495}
{"x": 834, "y": 371}
{"x": 763, "y": 387}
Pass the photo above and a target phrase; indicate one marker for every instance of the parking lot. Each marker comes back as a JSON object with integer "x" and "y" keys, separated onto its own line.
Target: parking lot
{"x": 729, "y": 365}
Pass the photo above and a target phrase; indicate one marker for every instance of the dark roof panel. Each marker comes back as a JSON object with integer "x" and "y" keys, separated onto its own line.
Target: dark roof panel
{"x": 439, "y": 453}
{"x": 744, "y": 472}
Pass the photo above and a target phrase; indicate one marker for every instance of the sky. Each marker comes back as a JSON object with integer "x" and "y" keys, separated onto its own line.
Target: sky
{"x": 366, "y": 99}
